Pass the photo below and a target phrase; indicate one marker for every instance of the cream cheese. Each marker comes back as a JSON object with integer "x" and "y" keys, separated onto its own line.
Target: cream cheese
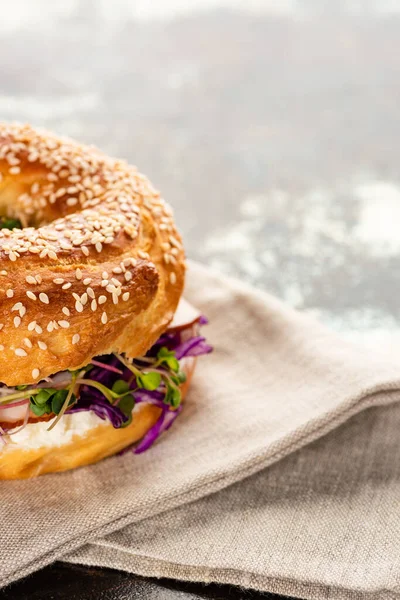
{"x": 35, "y": 435}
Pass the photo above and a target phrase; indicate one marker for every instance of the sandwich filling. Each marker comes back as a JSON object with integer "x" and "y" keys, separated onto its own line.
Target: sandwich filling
{"x": 109, "y": 388}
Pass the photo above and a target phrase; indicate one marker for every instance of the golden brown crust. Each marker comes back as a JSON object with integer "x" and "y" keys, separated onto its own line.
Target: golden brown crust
{"x": 99, "y": 267}
{"x": 100, "y": 442}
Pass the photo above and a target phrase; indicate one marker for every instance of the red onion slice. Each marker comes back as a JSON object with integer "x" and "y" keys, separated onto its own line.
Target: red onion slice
{"x": 185, "y": 316}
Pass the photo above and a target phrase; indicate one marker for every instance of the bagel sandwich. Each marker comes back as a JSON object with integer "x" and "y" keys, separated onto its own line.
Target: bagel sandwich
{"x": 97, "y": 345}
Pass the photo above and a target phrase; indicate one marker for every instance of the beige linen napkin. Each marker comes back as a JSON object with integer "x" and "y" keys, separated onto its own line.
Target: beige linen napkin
{"x": 324, "y": 523}
{"x": 276, "y": 382}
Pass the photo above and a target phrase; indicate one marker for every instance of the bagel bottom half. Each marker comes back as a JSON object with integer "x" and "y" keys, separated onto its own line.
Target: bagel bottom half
{"x": 98, "y": 442}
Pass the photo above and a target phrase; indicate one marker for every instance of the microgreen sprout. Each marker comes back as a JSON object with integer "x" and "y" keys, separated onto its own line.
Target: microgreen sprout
{"x": 111, "y": 386}
{"x": 10, "y": 223}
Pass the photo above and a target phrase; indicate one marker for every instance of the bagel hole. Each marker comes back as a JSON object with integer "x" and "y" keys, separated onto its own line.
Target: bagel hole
{"x": 12, "y": 210}
{"x": 10, "y": 216}
{"x": 10, "y": 223}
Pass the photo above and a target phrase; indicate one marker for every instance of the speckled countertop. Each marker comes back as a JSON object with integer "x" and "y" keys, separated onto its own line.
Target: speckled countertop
{"x": 273, "y": 128}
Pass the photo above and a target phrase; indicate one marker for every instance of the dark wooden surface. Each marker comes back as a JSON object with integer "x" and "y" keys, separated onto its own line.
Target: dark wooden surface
{"x": 273, "y": 133}
{"x": 72, "y": 582}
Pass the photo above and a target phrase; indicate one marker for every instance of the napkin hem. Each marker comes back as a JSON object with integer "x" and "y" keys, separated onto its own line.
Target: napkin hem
{"x": 159, "y": 568}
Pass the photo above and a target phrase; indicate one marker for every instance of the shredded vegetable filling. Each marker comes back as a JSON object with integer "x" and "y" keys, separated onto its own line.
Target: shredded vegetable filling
{"x": 110, "y": 386}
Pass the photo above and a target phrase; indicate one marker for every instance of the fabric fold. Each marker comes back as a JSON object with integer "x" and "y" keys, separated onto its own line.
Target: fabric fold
{"x": 276, "y": 382}
{"x": 322, "y": 524}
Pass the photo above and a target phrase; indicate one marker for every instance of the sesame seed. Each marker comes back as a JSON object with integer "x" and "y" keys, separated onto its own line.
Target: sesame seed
{"x": 104, "y": 275}
{"x": 1, "y": 347}
{"x": 85, "y": 250}
{"x": 30, "y": 279}
{"x": 174, "y": 242}
{"x": 102, "y": 299}
{"x": 31, "y": 295}
{"x": 93, "y": 305}
{"x": 172, "y": 277}
{"x": 115, "y": 298}
{"x": 20, "y": 352}
{"x": 64, "y": 324}
{"x": 44, "y": 298}
{"x": 66, "y": 311}
{"x": 104, "y": 318}
{"x": 99, "y": 247}
{"x": 42, "y": 345}
{"x": 65, "y": 245}
{"x": 128, "y": 276}
{"x": 76, "y": 338}
{"x": 78, "y": 306}
{"x": 125, "y": 296}
{"x": 50, "y": 327}
{"x": 28, "y": 343}
{"x": 87, "y": 281}
{"x": 22, "y": 311}
{"x": 38, "y": 278}
{"x": 58, "y": 280}
{"x": 38, "y": 329}
{"x": 84, "y": 298}
{"x": 35, "y": 373}
{"x": 66, "y": 286}
{"x": 17, "y": 321}
{"x": 31, "y": 325}
{"x": 78, "y": 273}
{"x": 3, "y": 272}
{"x": 9, "y": 293}
{"x": 90, "y": 292}
{"x": 17, "y": 306}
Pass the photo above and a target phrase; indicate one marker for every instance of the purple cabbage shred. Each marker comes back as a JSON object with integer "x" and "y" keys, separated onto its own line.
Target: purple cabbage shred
{"x": 92, "y": 399}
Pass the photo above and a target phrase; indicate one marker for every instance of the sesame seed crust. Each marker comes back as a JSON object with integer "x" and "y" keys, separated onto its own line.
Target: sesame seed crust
{"x": 98, "y": 266}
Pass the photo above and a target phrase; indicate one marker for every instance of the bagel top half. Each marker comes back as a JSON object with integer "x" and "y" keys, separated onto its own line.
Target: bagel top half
{"x": 98, "y": 266}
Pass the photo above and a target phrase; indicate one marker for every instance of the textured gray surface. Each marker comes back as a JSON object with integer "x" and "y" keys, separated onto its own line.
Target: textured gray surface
{"x": 274, "y": 132}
